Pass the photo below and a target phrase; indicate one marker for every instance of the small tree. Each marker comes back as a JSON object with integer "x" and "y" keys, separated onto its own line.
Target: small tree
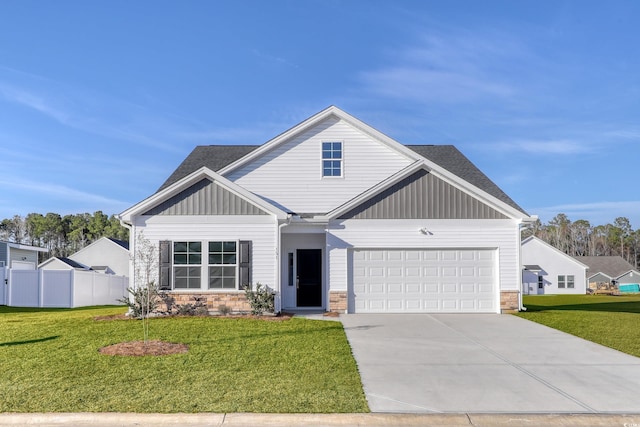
{"x": 144, "y": 292}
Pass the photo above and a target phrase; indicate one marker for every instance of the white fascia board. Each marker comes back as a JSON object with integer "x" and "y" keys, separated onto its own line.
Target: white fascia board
{"x": 600, "y": 272}
{"x": 633, "y": 270}
{"x": 363, "y": 197}
{"x": 310, "y": 123}
{"x": 476, "y": 192}
{"x": 569, "y": 257}
{"x": 191, "y": 179}
{"x": 440, "y": 173}
{"x": 26, "y": 247}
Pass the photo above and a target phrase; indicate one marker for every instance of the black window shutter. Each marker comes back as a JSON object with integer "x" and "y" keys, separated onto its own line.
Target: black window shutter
{"x": 244, "y": 263}
{"x": 165, "y": 265}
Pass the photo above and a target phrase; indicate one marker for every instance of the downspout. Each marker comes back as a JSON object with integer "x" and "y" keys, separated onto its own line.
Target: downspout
{"x": 278, "y": 278}
{"x": 521, "y": 227}
{"x": 132, "y": 248}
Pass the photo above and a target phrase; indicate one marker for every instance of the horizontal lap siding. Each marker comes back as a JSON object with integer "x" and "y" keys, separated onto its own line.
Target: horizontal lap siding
{"x": 291, "y": 174}
{"x": 260, "y": 232}
{"x": 385, "y": 234}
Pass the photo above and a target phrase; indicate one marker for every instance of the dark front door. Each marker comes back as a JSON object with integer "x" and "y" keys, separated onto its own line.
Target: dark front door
{"x": 309, "y": 278}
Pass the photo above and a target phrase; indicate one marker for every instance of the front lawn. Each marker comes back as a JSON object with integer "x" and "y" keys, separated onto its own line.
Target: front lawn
{"x": 613, "y": 321}
{"x": 50, "y": 363}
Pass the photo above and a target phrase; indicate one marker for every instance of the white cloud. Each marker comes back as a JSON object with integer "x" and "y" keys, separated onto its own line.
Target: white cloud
{"x": 89, "y": 111}
{"x": 60, "y": 192}
{"x": 449, "y": 68}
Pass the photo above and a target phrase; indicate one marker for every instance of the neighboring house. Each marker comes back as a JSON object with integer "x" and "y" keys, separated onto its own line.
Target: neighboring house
{"x": 609, "y": 270}
{"x": 548, "y": 270}
{"x": 62, "y": 263}
{"x": 334, "y": 215}
{"x": 19, "y": 256}
{"x": 105, "y": 255}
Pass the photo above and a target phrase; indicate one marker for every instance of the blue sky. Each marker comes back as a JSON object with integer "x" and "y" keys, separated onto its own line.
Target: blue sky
{"x": 101, "y": 100}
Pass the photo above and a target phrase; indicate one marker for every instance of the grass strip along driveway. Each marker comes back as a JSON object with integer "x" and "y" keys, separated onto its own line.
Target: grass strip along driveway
{"x": 50, "y": 363}
{"x": 612, "y": 321}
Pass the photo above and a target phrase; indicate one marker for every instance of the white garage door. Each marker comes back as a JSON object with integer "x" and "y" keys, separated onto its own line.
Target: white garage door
{"x": 424, "y": 281}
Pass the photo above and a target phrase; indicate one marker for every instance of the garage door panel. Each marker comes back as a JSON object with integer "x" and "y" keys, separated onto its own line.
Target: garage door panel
{"x": 413, "y": 288}
{"x": 395, "y": 288}
{"x": 449, "y": 288}
{"x": 423, "y": 280}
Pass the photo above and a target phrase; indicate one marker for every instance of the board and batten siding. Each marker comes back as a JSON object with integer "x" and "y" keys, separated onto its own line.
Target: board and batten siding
{"x": 3, "y": 254}
{"x": 260, "y": 230}
{"x": 205, "y": 198}
{"x": 423, "y": 196}
{"x": 291, "y": 174}
{"x": 501, "y": 235}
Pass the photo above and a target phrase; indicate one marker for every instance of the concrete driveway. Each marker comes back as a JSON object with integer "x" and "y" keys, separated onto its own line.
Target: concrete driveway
{"x": 486, "y": 364}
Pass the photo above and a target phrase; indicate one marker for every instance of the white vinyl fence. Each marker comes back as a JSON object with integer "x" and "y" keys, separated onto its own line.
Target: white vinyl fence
{"x": 60, "y": 288}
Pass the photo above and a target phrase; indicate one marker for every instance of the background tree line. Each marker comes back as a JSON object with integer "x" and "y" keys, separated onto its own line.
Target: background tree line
{"x": 580, "y": 238}
{"x": 61, "y": 235}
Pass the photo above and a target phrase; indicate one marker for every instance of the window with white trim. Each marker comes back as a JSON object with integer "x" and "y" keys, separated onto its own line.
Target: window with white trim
{"x": 561, "y": 281}
{"x": 205, "y": 265}
{"x": 223, "y": 262}
{"x": 332, "y": 159}
{"x": 566, "y": 281}
{"x": 187, "y": 263}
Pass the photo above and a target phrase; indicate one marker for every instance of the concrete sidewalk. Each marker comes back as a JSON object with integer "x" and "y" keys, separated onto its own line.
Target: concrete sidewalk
{"x": 315, "y": 420}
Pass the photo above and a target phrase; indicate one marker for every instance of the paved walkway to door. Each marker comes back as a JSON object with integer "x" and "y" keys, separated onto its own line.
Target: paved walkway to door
{"x": 486, "y": 364}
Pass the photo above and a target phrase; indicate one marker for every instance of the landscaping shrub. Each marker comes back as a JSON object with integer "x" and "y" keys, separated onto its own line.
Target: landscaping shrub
{"x": 261, "y": 300}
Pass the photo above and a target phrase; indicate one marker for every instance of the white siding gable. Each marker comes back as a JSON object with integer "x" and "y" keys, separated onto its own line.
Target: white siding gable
{"x": 290, "y": 175}
{"x": 553, "y": 263}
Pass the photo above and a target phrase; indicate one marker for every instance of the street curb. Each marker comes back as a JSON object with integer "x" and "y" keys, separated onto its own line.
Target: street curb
{"x": 317, "y": 420}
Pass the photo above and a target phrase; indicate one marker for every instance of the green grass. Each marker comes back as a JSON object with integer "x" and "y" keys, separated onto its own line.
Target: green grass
{"x": 49, "y": 362}
{"x": 613, "y": 321}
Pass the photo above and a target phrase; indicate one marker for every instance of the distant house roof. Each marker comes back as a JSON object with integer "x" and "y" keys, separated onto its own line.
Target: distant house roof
{"x": 67, "y": 261}
{"x": 612, "y": 266}
{"x": 216, "y": 157}
{"x": 72, "y": 263}
{"x": 23, "y": 246}
{"x": 120, "y": 242}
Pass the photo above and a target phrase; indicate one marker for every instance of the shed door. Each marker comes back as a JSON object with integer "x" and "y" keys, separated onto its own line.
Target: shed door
{"x": 425, "y": 281}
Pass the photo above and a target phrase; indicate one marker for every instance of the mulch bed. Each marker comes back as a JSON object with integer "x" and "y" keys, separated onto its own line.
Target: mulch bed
{"x": 162, "y": 348}
{"x": 279, "y": 317}
{"x": 140, "y": 348}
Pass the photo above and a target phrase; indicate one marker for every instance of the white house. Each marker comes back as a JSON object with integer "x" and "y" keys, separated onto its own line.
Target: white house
{"x": 547, "y": 270}
{"x": 334, "y": 215}
{"x": 105, "y": 255}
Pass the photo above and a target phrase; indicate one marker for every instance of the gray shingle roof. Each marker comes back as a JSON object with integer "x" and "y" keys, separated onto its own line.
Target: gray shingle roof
{"x": 71, "y": 263}
{"x": 612, "y": 266}
{"x": 216, "y": 157}
{"x": 451, "y": 159}
{"x": 120, "y": 242}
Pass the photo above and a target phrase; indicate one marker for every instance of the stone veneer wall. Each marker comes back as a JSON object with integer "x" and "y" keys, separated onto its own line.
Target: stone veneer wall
{"x": 236, "y": 301}
{"x": 509, "y": 301}
{"x": 338, "y": 301}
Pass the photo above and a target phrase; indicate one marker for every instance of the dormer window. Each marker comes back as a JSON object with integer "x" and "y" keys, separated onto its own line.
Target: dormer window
{"x": 331, "y": 159}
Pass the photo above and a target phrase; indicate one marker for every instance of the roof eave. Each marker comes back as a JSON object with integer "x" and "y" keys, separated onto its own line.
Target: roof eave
{"x": 180, "y": 185}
